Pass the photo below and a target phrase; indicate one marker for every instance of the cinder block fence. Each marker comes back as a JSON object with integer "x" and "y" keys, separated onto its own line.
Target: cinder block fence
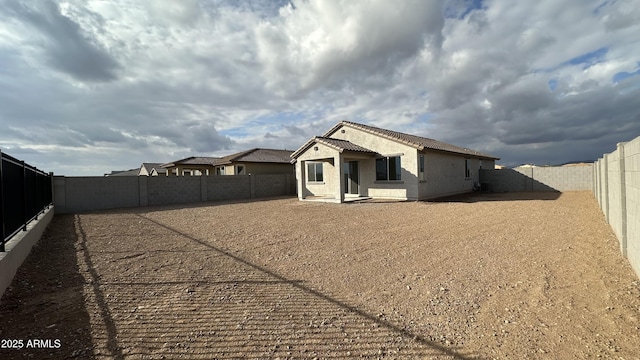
{"x": 77, "y": 194}
{"x": 616, "y": 186}
{"x": 552, "y": 178}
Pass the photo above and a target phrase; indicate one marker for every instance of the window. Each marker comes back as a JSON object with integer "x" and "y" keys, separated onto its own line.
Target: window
{"x": 467, "y": 170}
{"x": 314, "y": 172}
{"x": 421, "y": 167}
{"x": 240, "y": 170}
{"x": 388, "y": 168}
{"x": 220, "y": 170}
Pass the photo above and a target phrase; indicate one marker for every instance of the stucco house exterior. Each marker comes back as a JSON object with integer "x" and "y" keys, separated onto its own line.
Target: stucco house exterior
{"x": 353, "y": 161}
{"x": 146, "y": 169}
{"x": 191, "y": 166}
{"x": 152, "y": 169}
{"x": 253, "y": 161}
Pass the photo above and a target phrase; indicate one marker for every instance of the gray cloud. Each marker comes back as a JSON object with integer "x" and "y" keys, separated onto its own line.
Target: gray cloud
{"x": 147, "y": 83}
{"x": 328, "y": 45}
{"x": 66, "y": 46}
{"x": 294, "y": 130}
{"x": 204, "y": 138}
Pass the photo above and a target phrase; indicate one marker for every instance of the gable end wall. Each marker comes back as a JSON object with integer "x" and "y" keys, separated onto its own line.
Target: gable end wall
{"x": 407, "y": 188}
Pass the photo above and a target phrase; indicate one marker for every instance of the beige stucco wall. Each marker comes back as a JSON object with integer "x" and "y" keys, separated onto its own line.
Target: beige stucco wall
{"x": 330, "y": 185}
{"x": 445, "y": 174}
{"x": 181, "y": 168}
{"x": 228, "y": 170}
{"x": 407, "y": 188}
{"x": 488, "y": 164}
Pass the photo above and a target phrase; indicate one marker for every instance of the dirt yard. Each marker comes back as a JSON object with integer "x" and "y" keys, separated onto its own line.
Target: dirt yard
{"x": 506, "y": 276}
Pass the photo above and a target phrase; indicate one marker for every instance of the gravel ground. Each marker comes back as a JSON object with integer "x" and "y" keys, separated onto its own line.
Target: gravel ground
{"x": 506, "y": 276}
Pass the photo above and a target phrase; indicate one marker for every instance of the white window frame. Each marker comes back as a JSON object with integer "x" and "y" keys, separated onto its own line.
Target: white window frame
{"x": 313, "y": 178}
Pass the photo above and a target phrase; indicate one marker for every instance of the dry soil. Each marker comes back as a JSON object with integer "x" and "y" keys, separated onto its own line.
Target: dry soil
{"x": 506, "y": 276}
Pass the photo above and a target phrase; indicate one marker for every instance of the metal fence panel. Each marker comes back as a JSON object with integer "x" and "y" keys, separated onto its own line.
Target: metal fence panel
{"x": 24, "y": 193}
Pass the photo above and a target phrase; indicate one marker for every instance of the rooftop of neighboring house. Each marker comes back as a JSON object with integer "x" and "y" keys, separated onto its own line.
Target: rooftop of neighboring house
{"x": 150, "y": 166}
{"x": 193, "y": 160}
{"x": 131, "y": 172}
{"x": 257, "y": 155}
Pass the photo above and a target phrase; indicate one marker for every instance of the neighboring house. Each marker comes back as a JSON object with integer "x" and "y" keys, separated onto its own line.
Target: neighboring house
{"x": 359, "y": 161}
{"x": 254, "y": 161}
{"x": 130, "y": 172}
{"x": 191, "y": 166}
{"x": 146, "y": 169}
{"x": 152, "y": 169}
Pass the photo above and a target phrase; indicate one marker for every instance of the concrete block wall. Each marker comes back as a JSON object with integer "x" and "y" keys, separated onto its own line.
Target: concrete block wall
{"x": 272, "y": 185}
{"x": 230, "y": 187}
{"x": 81, "y": 194}
{"x": 165, "y": 190}
{"x": 615, "y": 215}
{"x": 564, "y": 178}
{"x": 503, "y": 180}
{"x": 75, "y": 194}
{"x": 632, "y": 203}
{"x": 616, "y": 186}
{"x": 556, "y": 178}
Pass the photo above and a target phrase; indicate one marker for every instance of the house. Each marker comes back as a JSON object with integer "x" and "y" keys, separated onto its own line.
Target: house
{"x": 254, "y": 161}
{"x": 130, "y": 172}
{"x": 191, "y": 166}
{"x": 352, "y": 161}
{"x": 146, "y": 169}
{"x": 152, "y": 169}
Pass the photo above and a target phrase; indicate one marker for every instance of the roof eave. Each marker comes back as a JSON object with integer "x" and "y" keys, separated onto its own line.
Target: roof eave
{"x": 310, "y": 143}
{"x": 479, "y": 156}
{"x": 373, "y": 132}
{"x": 302, "y": 148}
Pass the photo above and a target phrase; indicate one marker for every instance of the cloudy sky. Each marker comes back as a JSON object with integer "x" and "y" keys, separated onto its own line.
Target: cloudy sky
{"x": 91, "y": 86}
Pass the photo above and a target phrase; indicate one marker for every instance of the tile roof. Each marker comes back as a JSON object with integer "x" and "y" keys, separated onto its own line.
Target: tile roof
{"x": 150, "y": 166}
{"x": 259, "y": 155}
{"x": 338, "y": 144}
{"x": 417, "y": 141}
{"x": 201, "y": 160}
{"x": 131, "y": 172}
{"x": 193, "y": 160}
{"x": 342, "y": 145}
